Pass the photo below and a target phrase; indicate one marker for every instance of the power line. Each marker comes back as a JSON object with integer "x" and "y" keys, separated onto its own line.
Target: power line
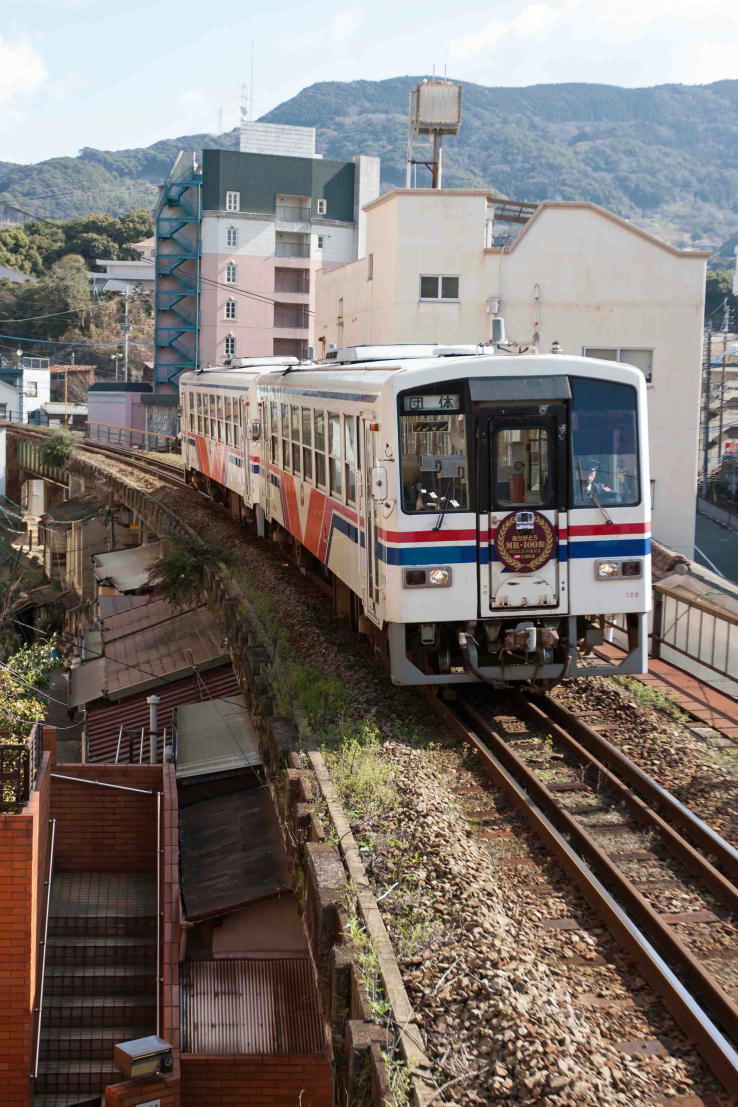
{"x": 62, "y": 342}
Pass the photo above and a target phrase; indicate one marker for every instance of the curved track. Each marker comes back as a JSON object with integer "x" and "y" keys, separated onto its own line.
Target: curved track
{"x": 580, "y": 794}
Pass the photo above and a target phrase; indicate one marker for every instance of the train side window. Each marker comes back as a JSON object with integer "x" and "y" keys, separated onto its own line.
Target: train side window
{"x": 319, "y": 426}
{"x": 210, "y": 416}
{"x": 307, "y": 441}
{"x": 274, "y": 431}
{"x": 228, "y": 418}
{"x": 286, "y": 448}
{"x": 219, "y": 408}
{"x": 349, "y": 436}
{"x": 334, "y": 454}
{"x": 295, "y": 434}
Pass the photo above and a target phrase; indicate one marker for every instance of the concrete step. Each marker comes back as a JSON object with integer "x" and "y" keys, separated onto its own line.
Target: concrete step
{"x": 75, "y": 1078}
{"x": 88, "y": 1043}
{"x": 65, "y": 1012}
{"x": 102, "y": 925}
{"x": 105, "y": 950}
{"x": 99, "y": 980}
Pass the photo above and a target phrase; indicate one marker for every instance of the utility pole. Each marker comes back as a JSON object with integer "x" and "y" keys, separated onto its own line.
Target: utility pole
{"x": 708, "y": 387}
{"x": 126, "y": 331}
{"x": 726, "y": 326}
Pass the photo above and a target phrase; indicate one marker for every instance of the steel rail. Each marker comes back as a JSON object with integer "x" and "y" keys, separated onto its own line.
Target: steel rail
{"x": 702, "y": 834}
{"x": 611, "y": 895}
{"x": 613, "y": 768}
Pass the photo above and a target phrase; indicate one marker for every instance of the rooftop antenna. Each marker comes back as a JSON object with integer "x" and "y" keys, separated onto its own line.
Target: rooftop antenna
{"x": 434, "y": 109}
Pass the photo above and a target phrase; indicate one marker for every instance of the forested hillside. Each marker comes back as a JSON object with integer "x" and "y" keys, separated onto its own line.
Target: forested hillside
{"x": 666, "y": 157}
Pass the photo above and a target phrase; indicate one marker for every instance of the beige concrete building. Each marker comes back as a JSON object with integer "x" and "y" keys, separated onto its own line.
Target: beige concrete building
{"x": 441, "y": 266}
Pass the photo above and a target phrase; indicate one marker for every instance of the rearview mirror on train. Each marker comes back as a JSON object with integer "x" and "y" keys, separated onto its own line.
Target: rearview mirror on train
{"x": 378, "y": 483}
{"x": 255, "y": 431}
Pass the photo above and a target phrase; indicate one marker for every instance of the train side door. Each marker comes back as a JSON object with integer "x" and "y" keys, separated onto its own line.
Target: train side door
{"x": 245, "y": 449}
{"x": 526, "y": 471}
{"x": 369, "y": 551}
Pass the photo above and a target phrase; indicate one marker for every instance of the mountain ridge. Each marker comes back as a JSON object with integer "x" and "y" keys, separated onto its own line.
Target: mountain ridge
{"x": 665, "y": 156}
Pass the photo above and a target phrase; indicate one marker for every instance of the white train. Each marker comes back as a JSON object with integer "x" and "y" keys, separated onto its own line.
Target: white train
{"x": 479, "y": 515}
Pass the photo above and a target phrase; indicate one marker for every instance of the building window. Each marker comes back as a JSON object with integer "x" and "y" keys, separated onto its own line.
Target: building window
{"x": 370, "y": 267}
{"x": 230, "y": 273}
{"x": 321, "y": 241}
{"x": 438, "y": 287}
{"x": 232, "y": 236}
{"x": 233, "y": 201}
{"x": 31, "y": 388}
{"x": 230, "y": 309}
{"x": 321, "y": 207}
{"x": 230, "y": 346}
{"x": 641, "y": 359}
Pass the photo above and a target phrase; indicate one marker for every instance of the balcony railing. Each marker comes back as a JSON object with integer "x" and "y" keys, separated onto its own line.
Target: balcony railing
{"x": 295, "y": 319}
{"x": 19, "y": 765}
{"x": 288, "y": 213}
{"x": 292, "y": 250}
{"x": 291, "y": 283}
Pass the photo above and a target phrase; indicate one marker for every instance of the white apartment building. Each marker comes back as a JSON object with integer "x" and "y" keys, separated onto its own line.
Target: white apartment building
{"x": 442, "y": 265}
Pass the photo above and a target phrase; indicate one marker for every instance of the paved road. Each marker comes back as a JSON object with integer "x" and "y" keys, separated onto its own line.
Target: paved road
{"x": 717, "y": 548}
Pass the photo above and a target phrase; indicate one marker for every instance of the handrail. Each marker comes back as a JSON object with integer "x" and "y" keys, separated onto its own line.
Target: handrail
{"x": 104, "y": 784}
{"x": 44, "y": 943}
{"x": 120, "y": 739}
{"x": 158, "y": 914}
{"x": 141, "y": 747}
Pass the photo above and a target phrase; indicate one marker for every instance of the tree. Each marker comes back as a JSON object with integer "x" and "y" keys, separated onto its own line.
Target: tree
{"x": 92, "y": 245}
{"x": 135, "y": 225}
{"x": 19, "y": 251}
{"x": 719, "y": 286}
{"x": 57, "y": 301}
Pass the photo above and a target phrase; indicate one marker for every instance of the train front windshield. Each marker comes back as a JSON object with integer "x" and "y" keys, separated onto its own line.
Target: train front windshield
{"x": 604, "y": 428}
{"x": 434, "y": 450}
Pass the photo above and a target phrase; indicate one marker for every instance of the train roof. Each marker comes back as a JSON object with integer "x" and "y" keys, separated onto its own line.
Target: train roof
{"x": 371, "y": 376}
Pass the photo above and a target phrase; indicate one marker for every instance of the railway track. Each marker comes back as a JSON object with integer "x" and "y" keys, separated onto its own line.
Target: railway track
{"x": 664, "y": 883}
{"x": 162, "y": 470}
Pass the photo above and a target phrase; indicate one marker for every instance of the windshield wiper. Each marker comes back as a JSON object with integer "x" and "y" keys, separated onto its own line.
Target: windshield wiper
{"x": 593, "y": 496}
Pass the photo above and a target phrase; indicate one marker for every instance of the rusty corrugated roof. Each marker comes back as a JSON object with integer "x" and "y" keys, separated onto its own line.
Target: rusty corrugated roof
{"x": 104, "y": 719}
{"x": 249, "y": 1007}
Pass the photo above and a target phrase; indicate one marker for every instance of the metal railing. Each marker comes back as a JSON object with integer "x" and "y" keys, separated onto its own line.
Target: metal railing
{"x": 19, "y": 765}
{"x": 288, "y": 283}
{"x": 292, "y": 250}
{"x": 133, "y": 438}
{"x": 290, "y": 213}
{"x": 296, "y": 319}
{"x": 44, "y": 945}
{"x": 695, "y": 629}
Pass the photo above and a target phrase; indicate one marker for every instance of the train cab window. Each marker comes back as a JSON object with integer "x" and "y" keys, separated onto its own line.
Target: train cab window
{"x": 349, "y": 435}
{"x": 334, "y": 454}
{"x": 295, "y": 433}
{"x": 286, "y": 447}
{"x": 604, "y": 439}
{"x": 319, "y": 427}
{"x": 307, "y": 443}
{"x": 522, "y": 473}
{"x": 434, "y": 454}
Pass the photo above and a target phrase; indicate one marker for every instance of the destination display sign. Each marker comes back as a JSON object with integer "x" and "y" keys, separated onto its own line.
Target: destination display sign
{"x": 432, "y": 403}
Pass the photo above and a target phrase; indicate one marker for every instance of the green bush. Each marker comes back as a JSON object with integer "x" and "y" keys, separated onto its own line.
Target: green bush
{"x": 56, "y": 450}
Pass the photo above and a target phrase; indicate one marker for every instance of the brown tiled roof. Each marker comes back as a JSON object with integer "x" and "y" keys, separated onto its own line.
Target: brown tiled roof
{"x": 71, "y": 368}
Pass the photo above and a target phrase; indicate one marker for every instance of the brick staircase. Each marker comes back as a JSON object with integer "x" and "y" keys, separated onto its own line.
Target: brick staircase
{"x": 100, "y": 981}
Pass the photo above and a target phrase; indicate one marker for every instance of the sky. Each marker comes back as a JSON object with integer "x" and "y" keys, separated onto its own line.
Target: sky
{"x": 115, "y": 74}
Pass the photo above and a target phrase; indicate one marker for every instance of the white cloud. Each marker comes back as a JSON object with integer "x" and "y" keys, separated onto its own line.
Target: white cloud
{"x": 22, "y": 72}
{"x": 533, "y": 20}
{"x": 713, "y": 61}
{"x": 631, "y": 14}
{"x": 337, "y": 34}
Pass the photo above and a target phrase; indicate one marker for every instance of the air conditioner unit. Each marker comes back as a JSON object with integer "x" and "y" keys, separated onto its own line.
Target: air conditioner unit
{"x": 497, "y": 330}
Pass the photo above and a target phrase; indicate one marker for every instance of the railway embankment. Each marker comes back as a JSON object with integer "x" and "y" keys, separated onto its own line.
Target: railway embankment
{"x": 441, "y": 927}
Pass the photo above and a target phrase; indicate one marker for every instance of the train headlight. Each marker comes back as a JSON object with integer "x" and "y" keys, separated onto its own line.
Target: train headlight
{"x": 606, "y": 570}
{"x": 439, "y": 577}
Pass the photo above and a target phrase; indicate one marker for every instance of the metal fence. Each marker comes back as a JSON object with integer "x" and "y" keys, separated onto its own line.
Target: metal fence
{"x": 133, "y": 438}
{"x": 695, "y": 630}
{"x": 292, "y": 250}
{"x": 19, "y": 765}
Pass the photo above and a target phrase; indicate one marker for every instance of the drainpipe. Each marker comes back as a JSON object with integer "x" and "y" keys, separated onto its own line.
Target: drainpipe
{"x": 153, "y": 702}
